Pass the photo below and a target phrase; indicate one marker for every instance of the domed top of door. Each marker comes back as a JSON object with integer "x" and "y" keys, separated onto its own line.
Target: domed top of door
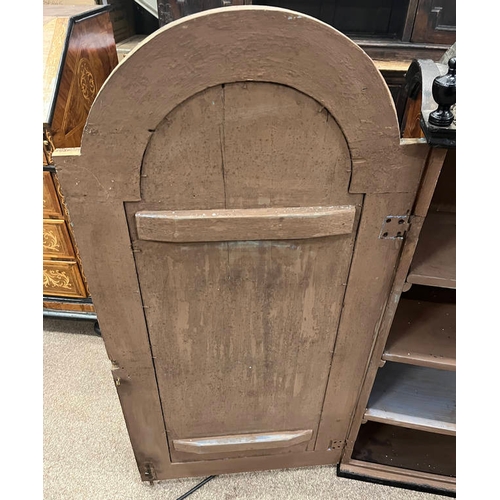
{"x": 238, "y": 44}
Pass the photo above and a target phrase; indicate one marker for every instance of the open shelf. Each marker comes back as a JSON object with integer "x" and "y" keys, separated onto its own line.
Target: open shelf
{"x": 434, "y": 262}
{"x": 406, "y": 448}
{"x": 415, "y": 397}
{"x": 423, "y": 334}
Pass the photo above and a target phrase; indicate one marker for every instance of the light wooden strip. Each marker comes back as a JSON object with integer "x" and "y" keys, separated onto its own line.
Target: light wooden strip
{"x": 242, "y": 442}
{"x": 245, "y": 224}
{"x": 414, "y": 397}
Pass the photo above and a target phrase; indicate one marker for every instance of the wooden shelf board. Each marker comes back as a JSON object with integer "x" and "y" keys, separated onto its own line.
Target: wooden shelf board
{"x": 423, "y": 334}
{"x": 414, "y": 397}
{"x": 358, "y": 469}
{"x": 434, "y": 263}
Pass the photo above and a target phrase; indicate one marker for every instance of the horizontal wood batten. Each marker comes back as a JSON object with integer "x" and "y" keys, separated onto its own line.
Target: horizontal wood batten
{"x": 244, "y": 224}
{"x": 242, "y": 442}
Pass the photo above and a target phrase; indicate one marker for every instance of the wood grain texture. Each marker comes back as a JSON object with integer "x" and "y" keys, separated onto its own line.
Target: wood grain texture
{"x": 57, "y": 242}
{"x": 53, "y": 305}
{"x": 51, "y": 206}
{"x": 89, "y": 58}
{"x": 244, "y": 224}
{"x": 242, "y": 442}
{"x": 62, "y": 279}
{"x": 424, "y": 334}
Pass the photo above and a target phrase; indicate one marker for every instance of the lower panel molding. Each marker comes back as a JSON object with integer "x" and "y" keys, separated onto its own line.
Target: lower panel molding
{"x": 242, "y": 442}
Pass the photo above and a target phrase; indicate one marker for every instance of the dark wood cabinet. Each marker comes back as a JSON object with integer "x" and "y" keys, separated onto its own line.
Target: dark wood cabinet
{"x": 435, "y": 22}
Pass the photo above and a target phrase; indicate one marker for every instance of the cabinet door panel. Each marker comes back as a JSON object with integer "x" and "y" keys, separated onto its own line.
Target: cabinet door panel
{"x": 243, "y": 258}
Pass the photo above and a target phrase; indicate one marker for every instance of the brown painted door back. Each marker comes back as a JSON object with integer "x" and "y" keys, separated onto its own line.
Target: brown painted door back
{"x": 243, "y": 240}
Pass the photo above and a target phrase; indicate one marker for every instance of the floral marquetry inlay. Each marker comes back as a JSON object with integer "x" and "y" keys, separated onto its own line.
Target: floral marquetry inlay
{"x": 56, "y": 278}
{"x": 50, "y": 241}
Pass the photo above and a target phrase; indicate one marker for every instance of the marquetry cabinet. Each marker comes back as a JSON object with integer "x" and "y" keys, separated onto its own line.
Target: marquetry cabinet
{"x": 78, "y": 55}
{"x": 404, "y": 428}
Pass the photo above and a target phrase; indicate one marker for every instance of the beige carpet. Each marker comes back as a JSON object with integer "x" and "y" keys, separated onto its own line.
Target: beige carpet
{"x": 87, "y": 454}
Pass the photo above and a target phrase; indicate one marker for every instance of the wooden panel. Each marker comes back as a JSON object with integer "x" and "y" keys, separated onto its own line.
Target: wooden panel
{"x": 415, "y": 397}
{"x": 434, "y": 263}
{"x": 242, "y": 442}
{"x": 444, "y": 198}
{"x": 62, "y": 279}
{"x": 245, "y": 224}
{"x": 125, "y": 121}
{"x": 407, "y": 449}
{"x": 51, "y": 206}
{"x": 415, "y": 480}
{"x": 90, "y": 58}
{"x": 53, "y": 305}
{"x": 423, "y": 334}
{"x": 435, "y": 22}
{"x": 251, "y": 313}
{"x": 57, "y": 243}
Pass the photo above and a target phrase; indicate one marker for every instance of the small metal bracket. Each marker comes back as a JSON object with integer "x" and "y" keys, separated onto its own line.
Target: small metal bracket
{"x": 149, "y": 473}
{"x": 394, "y": 227}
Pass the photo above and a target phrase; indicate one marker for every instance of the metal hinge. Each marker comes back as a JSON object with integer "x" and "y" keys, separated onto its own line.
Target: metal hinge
{"x": 149, "y": 472}
{"x": 394, "y": 227}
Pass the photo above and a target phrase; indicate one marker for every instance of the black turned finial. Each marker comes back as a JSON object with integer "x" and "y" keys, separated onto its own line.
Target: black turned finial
{"x": 444, "y": 91}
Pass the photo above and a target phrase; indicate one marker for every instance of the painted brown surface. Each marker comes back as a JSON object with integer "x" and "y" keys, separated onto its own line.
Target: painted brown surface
{"x": 194, "y": 317}
{"x": 252, "y": 313}
{"x": 424, "y": 334}
{"x": 244, "y": 224}
{"x": 242, "y": 442}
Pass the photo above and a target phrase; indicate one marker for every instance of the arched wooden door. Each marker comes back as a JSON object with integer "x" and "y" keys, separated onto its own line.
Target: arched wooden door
{"x": 228, "y": 200}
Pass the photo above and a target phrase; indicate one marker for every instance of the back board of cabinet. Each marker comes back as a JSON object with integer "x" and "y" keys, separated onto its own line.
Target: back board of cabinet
{"x": 235, "y": 201}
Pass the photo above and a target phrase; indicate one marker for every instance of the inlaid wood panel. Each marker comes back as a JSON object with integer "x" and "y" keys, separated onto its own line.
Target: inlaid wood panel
{"x": 57, "y": 242}
{"x": 51, "y": 206}
{"x": 62, "y": 279}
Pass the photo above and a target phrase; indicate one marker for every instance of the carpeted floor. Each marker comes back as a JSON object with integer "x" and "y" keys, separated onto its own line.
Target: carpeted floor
{"x": 87, "y": 454}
